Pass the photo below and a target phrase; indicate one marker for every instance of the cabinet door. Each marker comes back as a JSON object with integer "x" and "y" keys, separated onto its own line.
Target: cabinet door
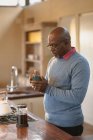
{"x": 34, "y": 105}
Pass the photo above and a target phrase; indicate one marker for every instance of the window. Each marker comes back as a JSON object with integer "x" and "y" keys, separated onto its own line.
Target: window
{"x": 34, "y": 1}
{"x": 18, "y": 2}
{"x": 8, "y": 2}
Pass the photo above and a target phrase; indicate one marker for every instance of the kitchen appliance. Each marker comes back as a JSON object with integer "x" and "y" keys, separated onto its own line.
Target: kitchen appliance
{"x": 4, "y": 108}
{"x": 4, "y": 105}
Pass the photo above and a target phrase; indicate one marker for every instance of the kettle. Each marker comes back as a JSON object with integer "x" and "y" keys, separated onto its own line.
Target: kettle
{"x": 4, "y": 108}
{"x": 4, "y": 105}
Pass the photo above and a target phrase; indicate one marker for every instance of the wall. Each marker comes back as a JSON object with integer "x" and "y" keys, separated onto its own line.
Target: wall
{"x": 86, "y": 49}
{"x": 51, "y": 10}
{"x": 10, "y": 40}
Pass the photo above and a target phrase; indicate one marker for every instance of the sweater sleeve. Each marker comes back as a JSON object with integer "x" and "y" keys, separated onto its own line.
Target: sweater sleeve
{"x": 79, "y": 83}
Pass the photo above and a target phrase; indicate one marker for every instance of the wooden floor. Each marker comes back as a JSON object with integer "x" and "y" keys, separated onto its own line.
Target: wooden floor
{"x": 88, "y": 129}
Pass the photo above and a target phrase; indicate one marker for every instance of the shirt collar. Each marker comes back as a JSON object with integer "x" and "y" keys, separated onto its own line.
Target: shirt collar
{"x": 70, "y": 53}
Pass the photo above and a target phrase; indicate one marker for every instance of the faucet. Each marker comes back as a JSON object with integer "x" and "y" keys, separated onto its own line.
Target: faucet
{"x": 14, "y": 79}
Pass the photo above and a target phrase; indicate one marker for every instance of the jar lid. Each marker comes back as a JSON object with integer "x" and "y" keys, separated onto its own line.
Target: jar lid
{"x": 21, "y": 105}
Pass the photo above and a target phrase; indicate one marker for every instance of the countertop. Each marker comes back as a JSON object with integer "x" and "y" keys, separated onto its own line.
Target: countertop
{"x": 37, "y": 130}
{"x": 23, "y": 92}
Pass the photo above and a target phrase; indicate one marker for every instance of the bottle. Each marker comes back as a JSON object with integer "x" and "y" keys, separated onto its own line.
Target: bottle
{"x": 14, "y": 79}
{"x": 27, "y": 84}
{"x": 22, "y": 115}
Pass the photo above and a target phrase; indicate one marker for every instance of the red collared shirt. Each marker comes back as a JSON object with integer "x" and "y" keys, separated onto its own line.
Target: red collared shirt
{"x": 70, "y": 53}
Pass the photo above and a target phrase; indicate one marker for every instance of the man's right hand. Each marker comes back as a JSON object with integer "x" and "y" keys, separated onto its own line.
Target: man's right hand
{"x": 39, "y": 85}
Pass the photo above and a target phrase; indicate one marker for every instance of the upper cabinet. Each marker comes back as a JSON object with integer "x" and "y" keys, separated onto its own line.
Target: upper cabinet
{"x": 35, "y": 53}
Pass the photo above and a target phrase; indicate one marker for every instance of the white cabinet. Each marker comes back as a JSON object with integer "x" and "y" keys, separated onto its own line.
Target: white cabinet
{"x": 35, "y": 105}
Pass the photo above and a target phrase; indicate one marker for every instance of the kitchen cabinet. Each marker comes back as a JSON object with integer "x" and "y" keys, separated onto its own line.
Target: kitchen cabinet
{"x": 35, "y": 54}
{"x": 34, "y": 105}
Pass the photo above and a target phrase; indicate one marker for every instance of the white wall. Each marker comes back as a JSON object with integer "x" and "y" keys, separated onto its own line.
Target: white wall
{"x": 86, "y": 49}
{"x": 10, "y": 40}
{"x": 69, "y": 23}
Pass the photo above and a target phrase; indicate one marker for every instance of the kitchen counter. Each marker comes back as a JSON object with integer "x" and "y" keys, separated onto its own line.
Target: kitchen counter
{"x": 37, "y": 130}
{"x": 23, "y": 92}
{"x": 30, "y": 97}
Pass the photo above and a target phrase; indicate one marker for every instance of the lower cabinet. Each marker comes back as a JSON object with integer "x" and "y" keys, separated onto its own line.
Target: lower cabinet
{"x": 34, "y": 105}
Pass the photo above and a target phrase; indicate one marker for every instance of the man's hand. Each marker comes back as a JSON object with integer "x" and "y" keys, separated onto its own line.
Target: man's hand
{"x": 39, "y": 85}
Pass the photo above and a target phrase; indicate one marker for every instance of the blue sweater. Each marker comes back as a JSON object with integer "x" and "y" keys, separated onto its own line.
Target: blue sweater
{"x": 68, "y": 82}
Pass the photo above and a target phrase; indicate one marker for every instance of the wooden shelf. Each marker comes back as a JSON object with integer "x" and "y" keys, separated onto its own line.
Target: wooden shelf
{"x": 35, "y": 54}
{"x": 34, "y": 61}
{"x": 29, "y": 43}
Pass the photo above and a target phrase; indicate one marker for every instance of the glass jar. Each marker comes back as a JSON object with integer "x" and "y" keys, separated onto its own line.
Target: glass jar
{"x": 22, "y": 115}
{"x": 3, "y": 95}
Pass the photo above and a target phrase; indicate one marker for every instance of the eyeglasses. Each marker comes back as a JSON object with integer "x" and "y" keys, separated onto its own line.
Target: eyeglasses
{"x": 54, "y": 45}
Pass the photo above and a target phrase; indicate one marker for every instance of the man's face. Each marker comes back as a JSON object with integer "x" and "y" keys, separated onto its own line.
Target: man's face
{"x": 56, "y": 45}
